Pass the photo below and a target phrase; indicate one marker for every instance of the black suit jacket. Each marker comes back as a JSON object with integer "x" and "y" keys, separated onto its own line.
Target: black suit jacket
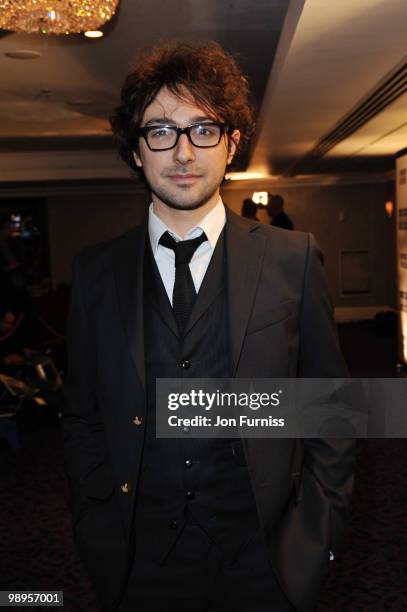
{"x": 280, "y": 325}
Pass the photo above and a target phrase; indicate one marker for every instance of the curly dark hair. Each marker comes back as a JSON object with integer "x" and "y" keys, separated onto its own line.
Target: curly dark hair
{"x": 206, "y": 75}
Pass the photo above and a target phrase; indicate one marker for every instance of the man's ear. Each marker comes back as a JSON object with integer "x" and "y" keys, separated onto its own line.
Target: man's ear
{"x": 137, "y": 159}
{"x": 233, "y": 142}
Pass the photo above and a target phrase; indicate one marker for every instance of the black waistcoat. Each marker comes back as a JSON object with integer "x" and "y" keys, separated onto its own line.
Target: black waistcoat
{"x": 206, "y": 479}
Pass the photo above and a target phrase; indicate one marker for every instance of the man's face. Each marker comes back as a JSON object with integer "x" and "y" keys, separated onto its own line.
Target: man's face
{"x": 185, "y": 177}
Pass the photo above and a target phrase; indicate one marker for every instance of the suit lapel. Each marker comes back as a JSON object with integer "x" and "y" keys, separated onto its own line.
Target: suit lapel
{"x": 211, "y": 285}
{"x": 128, "y": 262}
{"x": 157, "y": 293}
{"x": 245, "y": 252}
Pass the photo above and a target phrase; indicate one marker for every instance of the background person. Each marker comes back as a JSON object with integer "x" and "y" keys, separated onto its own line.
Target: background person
{"x": 278, "y": 216}
{"x": 249, "y": 209}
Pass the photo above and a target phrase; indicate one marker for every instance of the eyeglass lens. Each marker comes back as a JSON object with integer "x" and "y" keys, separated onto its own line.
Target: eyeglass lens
{"x": 201, "y": 135}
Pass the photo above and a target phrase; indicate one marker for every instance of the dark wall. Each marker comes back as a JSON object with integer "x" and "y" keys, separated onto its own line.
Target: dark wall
{"x": 76, "y": 221}
{"x": 342, "y": 218}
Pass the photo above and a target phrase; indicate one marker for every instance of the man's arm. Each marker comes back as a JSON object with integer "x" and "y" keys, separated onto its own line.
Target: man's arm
{"x": 80, "y": 420}
{"x": 330, "y": 461}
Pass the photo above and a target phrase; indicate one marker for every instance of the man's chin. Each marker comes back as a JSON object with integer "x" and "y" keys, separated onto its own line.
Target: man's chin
{"x": 184, "y": 206}
{"x": 185, "y": 203}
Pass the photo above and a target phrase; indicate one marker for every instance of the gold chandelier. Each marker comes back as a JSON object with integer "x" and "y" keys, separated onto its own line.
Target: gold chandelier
{"x": 55, "y": 16}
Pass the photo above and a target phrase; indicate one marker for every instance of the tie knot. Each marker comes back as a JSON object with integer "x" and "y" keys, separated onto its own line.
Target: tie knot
{"x": 184, "y": 249}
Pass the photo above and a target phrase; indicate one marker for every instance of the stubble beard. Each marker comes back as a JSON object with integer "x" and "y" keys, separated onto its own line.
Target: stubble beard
{"x": 171, "y": 200}
{"x": 188, "y": 200}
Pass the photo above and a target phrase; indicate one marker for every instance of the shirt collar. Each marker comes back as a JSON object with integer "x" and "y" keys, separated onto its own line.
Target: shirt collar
{"x": 212, "y": 224}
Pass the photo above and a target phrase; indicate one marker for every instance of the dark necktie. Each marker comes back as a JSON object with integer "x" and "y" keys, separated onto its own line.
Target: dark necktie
{"x": 184, "y": 293}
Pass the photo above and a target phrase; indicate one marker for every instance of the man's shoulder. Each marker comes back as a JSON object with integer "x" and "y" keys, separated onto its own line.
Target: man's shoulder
{"x": 291, "y": 238}
{"x": 281, "y": 239}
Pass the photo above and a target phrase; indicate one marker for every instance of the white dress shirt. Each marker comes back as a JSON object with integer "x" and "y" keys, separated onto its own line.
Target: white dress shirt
{"x": 212, "y": 224}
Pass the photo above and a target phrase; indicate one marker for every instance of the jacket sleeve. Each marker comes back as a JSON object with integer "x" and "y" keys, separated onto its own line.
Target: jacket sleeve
{"x": 81, "y": 424}
{"x": 330, "y": 461}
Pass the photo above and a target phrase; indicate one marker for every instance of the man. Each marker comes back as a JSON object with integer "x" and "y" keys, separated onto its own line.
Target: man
{"x": 197, "y": 291}
{"x": 278, "y": 216}
{"x": 249, "y": 209}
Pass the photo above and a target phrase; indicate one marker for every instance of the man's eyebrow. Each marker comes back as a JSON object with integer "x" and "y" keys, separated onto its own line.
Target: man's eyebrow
{"x": 199, "y": 118}
{"x": 167, "y": 121}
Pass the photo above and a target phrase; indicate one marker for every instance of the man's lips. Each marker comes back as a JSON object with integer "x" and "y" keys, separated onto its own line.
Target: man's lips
{"x": 184, "y": 178}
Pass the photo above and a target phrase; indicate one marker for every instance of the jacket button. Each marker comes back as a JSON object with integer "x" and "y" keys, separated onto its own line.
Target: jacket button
{"x": 125, "y": 487}
{"x": 188, "y": 463}
{"x": 137, "y": 420}
{"x": 174, "y": 525}
{"x": 186, "y": 364}
{"x": 190, "y": 494}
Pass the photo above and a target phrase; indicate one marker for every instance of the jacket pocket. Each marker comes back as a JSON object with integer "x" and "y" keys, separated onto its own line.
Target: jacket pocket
{"x": 99, "y": 484}
{"x": 274, "y": 315}
{"x": 98, "y": 487}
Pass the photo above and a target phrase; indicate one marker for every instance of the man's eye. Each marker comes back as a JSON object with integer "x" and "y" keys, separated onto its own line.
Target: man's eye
{"x": 205, "y": 130}
{"x": 161, "y": 132}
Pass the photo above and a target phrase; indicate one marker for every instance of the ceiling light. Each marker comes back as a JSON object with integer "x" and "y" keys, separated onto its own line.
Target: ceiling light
{"x": 56, "y": 16}
{"x": 389, "y": 208}
{"x": 79, "y": 102}
{"x": 93, "y": 34}
{"x": 244, "y": 176}
{"x": 23, "y": 54}
{"x": 260, "y": 197}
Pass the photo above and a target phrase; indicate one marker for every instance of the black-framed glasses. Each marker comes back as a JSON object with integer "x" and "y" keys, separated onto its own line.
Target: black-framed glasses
{"x": 165, "y": 137}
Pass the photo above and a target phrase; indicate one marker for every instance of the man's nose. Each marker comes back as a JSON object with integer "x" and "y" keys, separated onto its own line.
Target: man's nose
{"x": 184, "y": 150}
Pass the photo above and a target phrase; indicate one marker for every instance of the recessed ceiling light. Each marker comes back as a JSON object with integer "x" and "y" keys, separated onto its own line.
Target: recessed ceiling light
{"x": 79, "y": 102}
{"x": 23, "y": 54}
{"x": 244, "y": 176}
{"x": 94, "y": 34}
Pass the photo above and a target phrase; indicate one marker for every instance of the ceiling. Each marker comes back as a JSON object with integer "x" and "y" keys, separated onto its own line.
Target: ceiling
{"x": 327, "y": 79}
{"x": 341, "y": 55}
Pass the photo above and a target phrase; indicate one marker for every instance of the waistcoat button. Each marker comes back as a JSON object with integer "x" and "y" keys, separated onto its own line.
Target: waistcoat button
{"x": 125, "y": 487}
